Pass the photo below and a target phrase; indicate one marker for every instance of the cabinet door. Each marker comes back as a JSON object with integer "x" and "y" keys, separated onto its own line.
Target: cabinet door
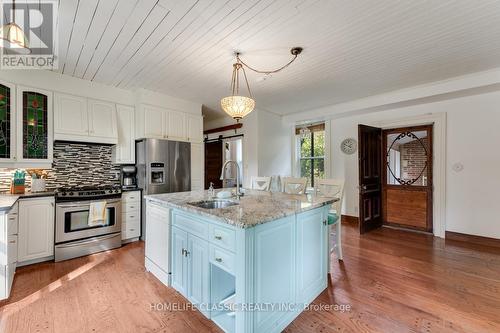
{"x": 36, "y": 229}
{"x": 311, "y": 243}
{"x": 124, "y": 151}
{"x": 34, "y": 126}
{"x": 158, "y": 235}
{"x": 194, "y": 128}
{"x": 179, "y": 260}
{"x": 70, "y": 116}
{"x": 198, "y": 271}
{"x": 176, "y": 126}
{"x": 197, "y": 166}
{"x": 7, "y": 122}
{"x": 102, "y": 120}
{"x": 154, "y": 122}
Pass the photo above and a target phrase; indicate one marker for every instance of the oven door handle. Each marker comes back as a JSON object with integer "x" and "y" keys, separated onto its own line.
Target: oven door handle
{"x": 88, "y": 241}
{"x": 86, "y": 204}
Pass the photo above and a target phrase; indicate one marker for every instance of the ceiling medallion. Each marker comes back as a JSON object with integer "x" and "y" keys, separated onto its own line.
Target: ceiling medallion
{"x": 238, "y": 106}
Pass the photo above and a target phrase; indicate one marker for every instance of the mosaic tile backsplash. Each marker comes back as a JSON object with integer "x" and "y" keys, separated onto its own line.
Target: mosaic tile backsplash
{"x": 75, "y": 164}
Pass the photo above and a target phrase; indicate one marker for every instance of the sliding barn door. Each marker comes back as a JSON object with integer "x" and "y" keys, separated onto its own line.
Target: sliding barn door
{"x": 370, "y": 177}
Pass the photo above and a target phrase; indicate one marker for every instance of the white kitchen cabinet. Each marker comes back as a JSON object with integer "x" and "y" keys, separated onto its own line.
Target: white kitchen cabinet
{"x": 8, "y": 107}
{"x": 197, "y": 166}
{"x": 102, "y": 121}
{"x": 152, "y": 121}
{"x": 34, "y": 128}
{"x": 36, "y": 229}
{"x": 176, "y": 126}
{"x": 124, "y": 151}
{"x": 131, "y": 215}
{"x": 70, "y": 115}
{"x": 8, "y": 250}
{"x": 157, "y": 250}
{"x": 194, "y": 128}
{"x": 82, "y": 119}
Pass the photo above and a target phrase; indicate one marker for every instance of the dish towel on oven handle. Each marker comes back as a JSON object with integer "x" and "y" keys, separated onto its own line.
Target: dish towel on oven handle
{"x": 97, "y": 214}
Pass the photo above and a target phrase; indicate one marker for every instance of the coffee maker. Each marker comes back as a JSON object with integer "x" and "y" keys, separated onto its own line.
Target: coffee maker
{"x": 129, "y": 179}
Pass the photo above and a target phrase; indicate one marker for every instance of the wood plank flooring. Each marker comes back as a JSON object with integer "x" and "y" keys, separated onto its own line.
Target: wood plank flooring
{"x": 393, "y": 281}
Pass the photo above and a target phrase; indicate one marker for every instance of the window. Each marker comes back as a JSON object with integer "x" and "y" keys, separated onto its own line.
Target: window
{"x": 311, "y": 151}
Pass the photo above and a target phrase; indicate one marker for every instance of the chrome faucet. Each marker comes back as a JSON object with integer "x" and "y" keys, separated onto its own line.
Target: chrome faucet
{"x": 223, "y": 176}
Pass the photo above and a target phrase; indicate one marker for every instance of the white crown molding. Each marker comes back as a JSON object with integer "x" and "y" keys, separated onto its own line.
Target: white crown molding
{"x": 471, "y": 84}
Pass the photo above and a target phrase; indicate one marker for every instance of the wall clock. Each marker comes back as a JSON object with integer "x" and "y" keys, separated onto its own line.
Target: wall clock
{"x": 349, "y": 146}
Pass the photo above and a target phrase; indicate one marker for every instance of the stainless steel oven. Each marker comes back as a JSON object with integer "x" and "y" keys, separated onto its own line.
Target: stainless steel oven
{"x": 74, "y": 237}
{"x": 72, "y": 220}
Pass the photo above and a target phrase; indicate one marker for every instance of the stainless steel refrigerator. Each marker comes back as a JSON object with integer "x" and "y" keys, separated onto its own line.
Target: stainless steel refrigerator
{"x": 163, "y": 166}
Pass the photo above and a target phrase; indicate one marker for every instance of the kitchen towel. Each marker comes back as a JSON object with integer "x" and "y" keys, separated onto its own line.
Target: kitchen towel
{"x": 97, "y": 213}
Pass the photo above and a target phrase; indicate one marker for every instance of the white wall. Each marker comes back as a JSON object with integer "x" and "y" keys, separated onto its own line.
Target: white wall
{"x": 472, "y": 140}
{"x": 275, "y": 146}
{"x": 266, "y": 144}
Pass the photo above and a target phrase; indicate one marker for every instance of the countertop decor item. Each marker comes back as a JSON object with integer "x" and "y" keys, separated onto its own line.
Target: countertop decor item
{"x": 17, "y": 185}
{"x": 38, "y": 177}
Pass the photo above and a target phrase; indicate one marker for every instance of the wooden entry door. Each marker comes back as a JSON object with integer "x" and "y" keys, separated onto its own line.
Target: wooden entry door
{"x": 370, "y": 177}
{"x": 213, "y": 163}
{"x": 407, "y": 179}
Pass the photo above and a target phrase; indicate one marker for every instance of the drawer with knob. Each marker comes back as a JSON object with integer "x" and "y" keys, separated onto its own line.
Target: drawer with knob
{"x": 131, "y": 228}
{"x": 223, "y": 237}
{"x": 222, "y": 258}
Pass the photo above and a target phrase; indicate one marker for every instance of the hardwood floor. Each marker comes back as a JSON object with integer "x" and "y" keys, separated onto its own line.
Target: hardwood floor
{"x": 393, "y": 281}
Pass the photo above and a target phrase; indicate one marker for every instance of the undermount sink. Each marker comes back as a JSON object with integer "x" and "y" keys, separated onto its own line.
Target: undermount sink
{"x": 213, "y": 204}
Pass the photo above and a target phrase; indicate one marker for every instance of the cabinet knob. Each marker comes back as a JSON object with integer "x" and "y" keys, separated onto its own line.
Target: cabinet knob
{"x": 132, "y": 229}
{"x": 218, "y": 259}
{"x": 218, "y": 237}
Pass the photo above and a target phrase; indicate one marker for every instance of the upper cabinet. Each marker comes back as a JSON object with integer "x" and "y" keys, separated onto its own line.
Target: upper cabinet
{"x": 102, "y": 121}
{"x": 124, "y": 151}
{"x": 85, "y": 120}
{"x": 194, "y": 128}
{"x": 153, "y": 122}
{"x": 7, "y": 122}
{"x": 71, "y": 116}
{"x": 176, "y": 126}
{"x": 34, "y": 127}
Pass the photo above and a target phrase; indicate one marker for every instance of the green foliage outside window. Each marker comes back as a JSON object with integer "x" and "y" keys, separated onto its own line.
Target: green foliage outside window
{"x": 312, "y": 156}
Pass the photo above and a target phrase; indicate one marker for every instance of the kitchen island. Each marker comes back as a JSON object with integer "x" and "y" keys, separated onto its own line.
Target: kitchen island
{"x": 251, "y": 265}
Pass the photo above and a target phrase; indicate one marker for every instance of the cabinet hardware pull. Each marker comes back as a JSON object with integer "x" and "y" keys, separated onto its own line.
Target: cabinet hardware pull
{"x": 187, "y": 253}
{"x": 183, "y": 252}
{"x": 12, "y": 241}
{"x": 324, "y": 222}
{"x": 218, "y": 259}
{"x": 218, "y": 237}
{"x": 132, "y": 229}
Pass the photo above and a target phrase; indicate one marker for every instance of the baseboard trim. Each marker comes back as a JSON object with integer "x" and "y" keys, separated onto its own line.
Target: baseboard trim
{"x": 350, "y": 219}
{"x": 479, "y": 240}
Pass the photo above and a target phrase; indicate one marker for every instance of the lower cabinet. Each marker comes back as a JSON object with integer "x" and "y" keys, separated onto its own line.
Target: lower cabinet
{"x": 36, "y": 229}
{"x": 190, "y": 267}
{"x": 8, "y": 250}
{"x": 131, "y": 215}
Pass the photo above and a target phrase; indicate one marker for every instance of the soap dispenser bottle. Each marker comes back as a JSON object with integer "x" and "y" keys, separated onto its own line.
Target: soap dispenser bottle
{"x": 211, "y": 191}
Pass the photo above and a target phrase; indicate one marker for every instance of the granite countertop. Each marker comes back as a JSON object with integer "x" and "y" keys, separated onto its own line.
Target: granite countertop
{"x": 8, "y": 200}
{"x": 255, "y": 207}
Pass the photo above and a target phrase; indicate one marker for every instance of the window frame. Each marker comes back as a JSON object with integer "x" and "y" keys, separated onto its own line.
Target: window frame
{"x": 312, "y": 159}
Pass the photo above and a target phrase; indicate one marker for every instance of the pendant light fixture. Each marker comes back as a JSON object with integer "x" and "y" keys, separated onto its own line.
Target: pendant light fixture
{"x": 238, "y": 106}
{"x": 13, "y": 37}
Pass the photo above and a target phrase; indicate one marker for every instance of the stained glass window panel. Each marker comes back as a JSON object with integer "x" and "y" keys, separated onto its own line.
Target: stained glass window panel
{"x": 35, "y": 138}
{"x": 4, "y": 122}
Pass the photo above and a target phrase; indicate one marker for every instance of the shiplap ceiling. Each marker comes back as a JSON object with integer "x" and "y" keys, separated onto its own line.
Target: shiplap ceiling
{"x": 352, "y": 49}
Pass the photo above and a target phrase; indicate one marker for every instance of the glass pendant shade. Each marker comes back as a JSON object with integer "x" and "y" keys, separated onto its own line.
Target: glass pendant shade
{"x": 237, "y": 106}
{"x": 13, "y": 38}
